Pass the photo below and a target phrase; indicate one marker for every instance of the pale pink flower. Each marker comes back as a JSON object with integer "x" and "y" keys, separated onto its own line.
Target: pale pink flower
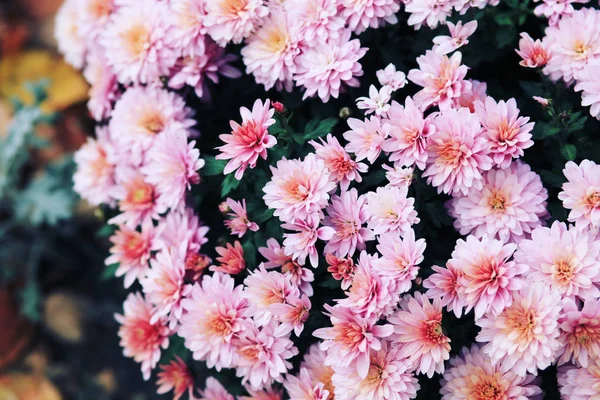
{"x": 573, "y": 48}
{"x": 239, "y": 223}
{"x": 233, "y": 20}
{"x": 509, "y": 134}
{"x": 442, "y": 79}
{"x": 378, "y": 101}
{"x": 392, "y": 78}
{"x": 301, "y": 244}
{"x": 271, "y": 393}
{"x": 509, "y": 205}
{"x": 274, "y": 254}
{"x": 137, "y": 199}
{"x": 346, "y": 215}
{"x": 444, "y": 284}
{"x": 270, "y": 53}
{"x": 175, "y": 376}
{"x": 351, "y": 338}
{"x": 581, "y": 192}
{"x": 579, "y": 332}
{"x": 93, "y": 16}
{"x": 365, "y": 138}
{"x": 389, "y": 377}
{"x": 214, "y": 391}
{"x": 263, "y": 355}
{"x": 215, "y": 312}
{"x": 103, "y": 85}
{"x": 544, "y": 102}
{"x": 391, "y": 210}
{"x": 589, "y": 84}
{"x": 564, "y": 258}
{"x": 556, "y": 9}
{"x": 327, "y": 68}
{"x": 400, "y": 259}
{"x": 187, "y": 19}
{"x": 409, "y": 132}
{"x": 342, "y": 269}
{"x": 298, "y": 188}
{"x": 459, "y": 36}
{"x": 458, "y": 153}
{"x": 138, "y": 42}
{"x": 533, "y": 53}
{"x": 418, "y": 327}
{"x": 298, "y": 276}
{"x": 319, "y": 18}
{"x": 364, "y": 14}
{"x": 248, "y": 141}
{"x": 231, "y": 259}
{"x": 314, "y": 362}
{"x": 183, "y": 229}
{"x": 399, "y": 176}
{"x": 140, "y": 339}
{"x": 341, "y": 166}
{"x": 292, "y": 314}
{"x": 580, "y": 383}
{"x": 524, "y": 337}
{"x": 472, "y": 375}
{"x": 428, "y": 12}
{"x": 68, "y": 33}
{"x": 470, "y": 96}
{"x": 302, "y": 387}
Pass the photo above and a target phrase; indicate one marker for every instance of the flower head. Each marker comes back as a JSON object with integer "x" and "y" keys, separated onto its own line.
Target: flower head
{"x": 342, "y": 269}
{"x": 231, "y": 259}
{"x": 341, "y": 166}
{"x": 579, "y": 332}
{"x": 378, "y": 101}
{"x": 391, "y": 210}
{"x": 177, "y": 377}
{"x": 319, "y": 18}
{"x": 580, "y": 383}
{"x": 581, "y": 192}
{"x": 365, "y": 138}
{"x": 301, "y": 244}
{"x": 392, "y": 78}
{"x": 302, "y": 387}
{"x": 533, "y": 53}
{"x": 459, "y": 36}
{"x": 428, "y": 12}
{"x": 232, "y": 20}
{"x": 368, "y": 13}
{"x": 214, "y": 391}
{"x": 314, "y": 362}
{"x": 238, "y": 223}
{"x": 444, "y": 284}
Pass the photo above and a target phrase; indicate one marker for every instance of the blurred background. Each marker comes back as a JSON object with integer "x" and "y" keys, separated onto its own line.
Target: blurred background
{"x": 58, "y": 336}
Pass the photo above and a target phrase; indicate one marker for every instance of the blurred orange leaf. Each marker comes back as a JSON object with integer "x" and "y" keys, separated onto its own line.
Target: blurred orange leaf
{"x": 27, "y": 387}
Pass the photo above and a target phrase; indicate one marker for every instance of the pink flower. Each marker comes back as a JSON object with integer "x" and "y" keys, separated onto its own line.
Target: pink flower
{"x": 580, "y": 383}
{"x": 459, "y": 36}
{"x": 68, "y": 33}
{"x": 187, "y": 20}
{"x": 140, "y": 339}
{"x": 231, "y": 259}
{"x": 457, "y": 153}
{"x": 391, "y": 210}
{"x": 418, "y": 327}
{"x": 298, "y": 189}
{"x": 444, "y": 284}
{"x": 138, "y": 44}
{"x": 378, "y": 101}
{"x": 428, "y": 12}
{"x": 104, "y": 88}
{"x": 177, "y": 377}
{"x": 319, "y": 18}
{"x": 233, "y": 20}
{"x": 555, "y": 9}
{"x": 341, "y": 166}
{"x": 473, "y": 376}
{"x": 581, "y": 192}
{"x": 239, "y": 223}
{"x": 267, "y": 394}
{"x": 302, "y": 244}
{"x": 542, "y": 101}
{"x": 488, "y": 278}
{"x": 399, "y": 176}
{"x": 564, "y": 258}
{"x": 314, "y": 362}
{"x": 508, "y": 133}
{"x": 399, "y": 259}
{"x": 442, "y": 79}
{"x": 389, "y": 377}
{"x": 137, "y": 199}
{"x": 248, "y": 141}
{"x": 350, "y": 340}
{"x": 183, "y": 230}
{"x": 342, "y": 269}
{"x": 368, "y": 13}
{"x": 292, "y": 314}
{"x": 589, "y": 84}
{"x": 365, "y": 138}
{"x": 298, "y": 276}
{"x": 302, "y": 387}
{"x": 579, "y": 332}
{"x": 174, "y": 167}
{"x": 511, "y": 203}
{"x": 392, "y": 78}
{"x": 533, "y": 53}
{"x": 346, "y": 215}
{"x": 164, "y": 286}
{"x": 263, "y": 355}
{"x": 93, "y": 16}
{"x": 409, "y": 131}
{"x": 215, "y": 312}
{"x": 524, "y": 337}
{"x": 470, "y": 96}
{"x": 214, "y": 391}
{"x": 325, "y": 69}
{"x": 274, "y": 254}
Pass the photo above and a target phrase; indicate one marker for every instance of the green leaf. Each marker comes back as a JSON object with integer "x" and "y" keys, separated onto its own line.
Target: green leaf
{"x": 109, "y": 272}
{"x": 249, "y": 254}
{"x": 229, "y": 184}
{"x": 503, "y": 19}
{"x": 31, "y": 298}
{"x": 265, "y": 215}
{"x": 212, "y": 166}
{"x": 45, "y": 200}
{"x": 318, "y": 128}
{"x": 106, "y": 231}
{"x": 569, "y": 152}
{"x": 543, "y": 130}
{"x": 551, "y": 178}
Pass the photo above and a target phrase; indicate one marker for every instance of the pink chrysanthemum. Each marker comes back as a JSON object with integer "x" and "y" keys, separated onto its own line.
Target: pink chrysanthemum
{"x": 183, "y": 230}
{"x": 399, "y": 176}
{"x": 326, "y": 68}
{"x": 342, "y": 269}
{"x": 534, "y": 53}
{"x": 174, "y": 167}
{"x": 458, "y": 153}
{"x": 188, "y": 29}
{"x": 248, "y": 141}
{"x": 459, "y": 36}
{"x": 377, "y": 102}
{"x": 103, "y": 85}
{"x": 565, "y": 258}
{"x": 391, "y": 210}
{"x": 138, "y": 43}
{"x": 472, "y": 375}
{"x": 428, "y": 12}
{"x": 263, "y": 355}
{"x": 573, "y": 48}
{"x": 511, "y": 203}
{"x": 231, "y": 259}
{"x": 140, "y": 339}
{"x": 580, "y": 383}
{"x": 298, "y": 189}
{"x": 444, "y": 284}
{"x": 292, "y": 314}
{"x": 238, "y": 223}
{"x": 271, "y": 393}
{"x": 301, "y": 244}
{"x": 137, "y": 199}
{"x": 319, "y": 18}
{"x": 314, "y": 362}
{"x": 364, "y": 14}
{"x": 442, "y": 79}
{"x": 214, "y": 391}
{"x": 298, "y": 276}
{"x": 488, "y": 278}
{"x": 579, "y": 332}
{"x": 94, "y": 14}
{"x": 389, "y": 378}
{"x": 524, "y": 337}
{"x": 68, "y": 33}
{"x": 418, "y": 327}
{"x": 302, "y": 387}
{"x": 365, "y": 138}
{"x": 215, "y": 312}
{"x": 508, "y": 133}
{"x": 470, "y": 96}
{"x": 351, "y": 338}
{"x": 589, "y": 84}
{"x": 409, "y": 131}
{"x": 392, "y": 78}
{"x": 554, "y": 10}
{"x": 346, "y": 215}
{"x": 175, "y": 376}
{"x": 233, "y": 20}
{"x": 341, "y": 166}
{"x": 581, "y": 192}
